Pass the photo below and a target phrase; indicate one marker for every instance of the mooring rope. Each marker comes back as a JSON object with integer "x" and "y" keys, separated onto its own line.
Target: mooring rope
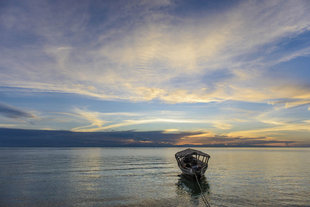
{"x": 203, "y": 196}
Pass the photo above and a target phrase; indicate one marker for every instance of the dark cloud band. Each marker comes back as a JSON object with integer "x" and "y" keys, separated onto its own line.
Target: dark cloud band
{"x": 11, "y": 112}
{"x": 46, "y": 138}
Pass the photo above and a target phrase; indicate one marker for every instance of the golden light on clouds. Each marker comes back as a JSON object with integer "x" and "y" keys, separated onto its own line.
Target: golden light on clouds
{"x": 237, "y": 72}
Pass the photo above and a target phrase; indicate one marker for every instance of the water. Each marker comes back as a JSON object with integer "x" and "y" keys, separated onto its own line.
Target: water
{"x": 85, "y": 177}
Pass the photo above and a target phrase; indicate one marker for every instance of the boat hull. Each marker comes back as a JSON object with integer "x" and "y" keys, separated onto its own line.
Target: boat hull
{"x": 192, "y": 173}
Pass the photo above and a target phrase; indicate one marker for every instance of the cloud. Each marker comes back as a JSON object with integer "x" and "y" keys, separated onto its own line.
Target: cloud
{"x": 222, "y": 125}
{"x": 93, "y": 121}
{"x": 17, "y": 137}
{"x": 49, "y": 138}
{"x": 140, "y": 49}
{"x": 8, "y": 125}
{"x": 278, "y": 128}
{"x": 170, "y": 130}
{"x": 211, "y": 139}
{"x": 138, "y": 122}
{"x": 247, "y": 54}
{"x": 14, "y": 113}
{"x": 99, "y": 120}
{"x": 91, "y": 117}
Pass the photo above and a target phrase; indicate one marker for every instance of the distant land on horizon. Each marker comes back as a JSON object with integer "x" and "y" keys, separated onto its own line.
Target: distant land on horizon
{"x": 62, "y": 138}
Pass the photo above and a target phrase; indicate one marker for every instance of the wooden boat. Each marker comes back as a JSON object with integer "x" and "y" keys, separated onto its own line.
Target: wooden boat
{"x": 192, "y": 162}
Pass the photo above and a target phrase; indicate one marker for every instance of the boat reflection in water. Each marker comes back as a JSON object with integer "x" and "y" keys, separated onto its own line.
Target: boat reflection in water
{"x": 188, "y": 185}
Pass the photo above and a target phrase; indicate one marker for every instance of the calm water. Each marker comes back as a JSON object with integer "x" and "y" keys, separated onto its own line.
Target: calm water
{"x": 149, "y": 177}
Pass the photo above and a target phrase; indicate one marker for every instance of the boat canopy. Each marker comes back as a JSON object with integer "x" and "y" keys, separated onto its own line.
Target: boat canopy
{"x": 190, "y": 151}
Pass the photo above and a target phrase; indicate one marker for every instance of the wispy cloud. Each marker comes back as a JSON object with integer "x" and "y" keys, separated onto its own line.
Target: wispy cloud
{"x": 240, "y": 70}
{"x": 222, "y": 125}
{"x": 210, "y": 139}
{"x": 14, "y": 113}
{"x": 92, "y": 117}
{"x": 138, "y": 122}
{"x": 141, "y": 60}
{"x": 102, "y": 121}
{"x": 8, "y": 125}
{"x": 280, "y": 127}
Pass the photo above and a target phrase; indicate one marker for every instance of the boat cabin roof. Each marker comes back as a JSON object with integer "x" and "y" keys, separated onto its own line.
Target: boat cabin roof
{"x": 190, "y": 151}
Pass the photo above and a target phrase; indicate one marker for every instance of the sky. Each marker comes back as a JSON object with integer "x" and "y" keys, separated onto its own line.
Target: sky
{"x": 206, "y": 72}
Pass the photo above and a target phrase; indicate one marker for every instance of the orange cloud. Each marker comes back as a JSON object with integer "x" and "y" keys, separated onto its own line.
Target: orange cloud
{"x": 210, "y": 139}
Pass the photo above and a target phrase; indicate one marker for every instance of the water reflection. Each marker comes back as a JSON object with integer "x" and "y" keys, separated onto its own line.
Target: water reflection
{"x": 188, "y": 186}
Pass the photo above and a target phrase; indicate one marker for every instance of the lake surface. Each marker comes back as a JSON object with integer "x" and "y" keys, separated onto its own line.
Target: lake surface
{"x": 86, "y": 177}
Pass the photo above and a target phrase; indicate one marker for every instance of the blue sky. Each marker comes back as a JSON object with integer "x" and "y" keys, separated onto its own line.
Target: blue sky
{"x": 233, "y": 69}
